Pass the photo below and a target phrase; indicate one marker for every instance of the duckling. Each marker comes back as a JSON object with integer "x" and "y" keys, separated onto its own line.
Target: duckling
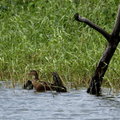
{"x": 28, "y": 85}
{"x": 58, "y": 83}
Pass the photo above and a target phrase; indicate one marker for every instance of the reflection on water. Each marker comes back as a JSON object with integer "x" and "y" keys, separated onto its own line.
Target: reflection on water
{"x": 19, "y": 104}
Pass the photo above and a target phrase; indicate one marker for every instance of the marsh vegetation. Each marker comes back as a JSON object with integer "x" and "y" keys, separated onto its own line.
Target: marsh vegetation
{"x": 42, "y": 35}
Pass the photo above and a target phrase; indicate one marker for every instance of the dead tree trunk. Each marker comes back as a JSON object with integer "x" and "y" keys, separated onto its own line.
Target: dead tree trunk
{"x": 113, "y": 41}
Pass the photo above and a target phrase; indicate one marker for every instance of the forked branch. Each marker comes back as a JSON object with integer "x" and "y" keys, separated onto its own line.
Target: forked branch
{"x": 91, "y": 24}
{"x": 113, "y": 39}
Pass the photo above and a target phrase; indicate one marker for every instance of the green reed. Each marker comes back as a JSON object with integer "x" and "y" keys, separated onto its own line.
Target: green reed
{"x": 43, "y": 35}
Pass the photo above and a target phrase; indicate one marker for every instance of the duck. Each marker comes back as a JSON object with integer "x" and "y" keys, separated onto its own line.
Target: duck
{"x": 28, "y": 85}
{"x": 42, "y": 86}
{"x": 58, "y": 83}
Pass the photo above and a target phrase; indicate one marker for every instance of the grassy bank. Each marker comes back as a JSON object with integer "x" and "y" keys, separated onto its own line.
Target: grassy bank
{"x": 42, "y": 35}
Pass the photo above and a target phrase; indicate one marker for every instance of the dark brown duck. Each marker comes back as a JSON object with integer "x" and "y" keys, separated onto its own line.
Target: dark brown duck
{"x": 42, "y": 86}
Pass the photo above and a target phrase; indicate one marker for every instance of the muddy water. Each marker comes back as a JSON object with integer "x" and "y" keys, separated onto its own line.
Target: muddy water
{"x": 19, "y": 104}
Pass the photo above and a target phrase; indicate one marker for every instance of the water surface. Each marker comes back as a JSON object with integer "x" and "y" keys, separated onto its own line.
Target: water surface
{"x": 19, "y": 104}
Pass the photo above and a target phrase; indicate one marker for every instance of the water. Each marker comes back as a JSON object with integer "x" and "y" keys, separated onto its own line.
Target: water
{"x": 19, "y": 104}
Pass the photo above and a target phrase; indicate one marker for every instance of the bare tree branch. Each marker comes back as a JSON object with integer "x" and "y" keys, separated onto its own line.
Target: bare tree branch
{"x": 113, "y": 41}
{"x": 116, "y": 29}
{"x": 91, "y": 24}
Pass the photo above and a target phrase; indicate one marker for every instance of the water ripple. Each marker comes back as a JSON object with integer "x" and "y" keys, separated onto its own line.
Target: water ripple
{"x": 18, "y": 104}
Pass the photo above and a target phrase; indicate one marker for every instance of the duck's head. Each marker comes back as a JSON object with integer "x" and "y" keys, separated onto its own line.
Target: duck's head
{"x": 33, "y": 73}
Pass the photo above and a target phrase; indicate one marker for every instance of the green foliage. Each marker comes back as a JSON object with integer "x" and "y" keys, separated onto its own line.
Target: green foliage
{"x": 42, "y": 35}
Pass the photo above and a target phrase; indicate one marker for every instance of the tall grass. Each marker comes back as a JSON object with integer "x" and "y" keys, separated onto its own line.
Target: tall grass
{"x": 42, "y": 35}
